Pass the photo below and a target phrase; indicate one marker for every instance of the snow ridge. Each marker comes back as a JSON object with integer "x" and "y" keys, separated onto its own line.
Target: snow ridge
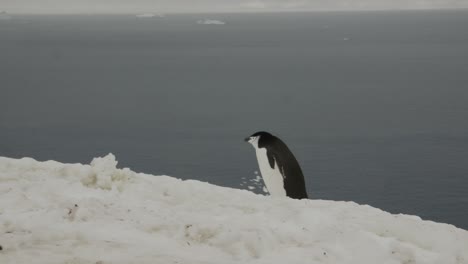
{"x": 52, "y": 212}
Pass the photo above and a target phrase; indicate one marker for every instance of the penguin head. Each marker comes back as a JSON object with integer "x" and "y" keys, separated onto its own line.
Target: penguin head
{"x": 258, "y": 137}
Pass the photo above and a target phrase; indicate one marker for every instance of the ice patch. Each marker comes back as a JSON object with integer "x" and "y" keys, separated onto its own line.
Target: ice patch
{"x": 149, "y": 15}
{"x": 210, "y": 22}
{"x": 254, "y": 184}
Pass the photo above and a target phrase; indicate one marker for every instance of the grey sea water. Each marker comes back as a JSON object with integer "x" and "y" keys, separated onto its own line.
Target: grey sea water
{"x": 373, "y": 104}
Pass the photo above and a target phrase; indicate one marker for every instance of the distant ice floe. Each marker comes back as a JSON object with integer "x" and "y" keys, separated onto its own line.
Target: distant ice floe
{"x": 149, "y": 15}
{"x": 210, "y": 22}
{"x": 254, "y": 184}
{"x": 4, "y": 15}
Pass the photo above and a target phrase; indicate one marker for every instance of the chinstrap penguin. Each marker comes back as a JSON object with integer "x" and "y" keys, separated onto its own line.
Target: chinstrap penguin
{"x": 279, "y": 168}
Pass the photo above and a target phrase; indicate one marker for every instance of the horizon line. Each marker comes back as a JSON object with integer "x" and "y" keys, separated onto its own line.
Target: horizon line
{"x": 239, "y": 11}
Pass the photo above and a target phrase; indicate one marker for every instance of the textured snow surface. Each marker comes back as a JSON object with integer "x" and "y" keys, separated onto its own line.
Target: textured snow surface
{"x": 125, "y": 217}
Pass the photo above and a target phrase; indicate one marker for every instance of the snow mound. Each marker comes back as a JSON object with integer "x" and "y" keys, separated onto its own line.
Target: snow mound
{"x": 210, "y": 22}
{"x": 52, "y": 212}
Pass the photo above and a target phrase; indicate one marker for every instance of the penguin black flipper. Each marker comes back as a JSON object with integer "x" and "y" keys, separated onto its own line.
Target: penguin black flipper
{"x": 271, "y": 159}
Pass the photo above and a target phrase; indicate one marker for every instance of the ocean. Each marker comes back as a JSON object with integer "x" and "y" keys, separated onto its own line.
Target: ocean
{"x": 373, "y": 104}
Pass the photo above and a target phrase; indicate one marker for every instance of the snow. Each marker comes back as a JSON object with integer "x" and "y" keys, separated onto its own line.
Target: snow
{"x": 210, "y": 22}
{"x": 52, "y": 212}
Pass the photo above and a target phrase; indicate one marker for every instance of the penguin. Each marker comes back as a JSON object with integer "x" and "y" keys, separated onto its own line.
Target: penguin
{"x": 279, "y": 168}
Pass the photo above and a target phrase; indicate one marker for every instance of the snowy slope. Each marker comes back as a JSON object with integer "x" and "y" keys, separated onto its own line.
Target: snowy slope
{"x": 125, "y": 217}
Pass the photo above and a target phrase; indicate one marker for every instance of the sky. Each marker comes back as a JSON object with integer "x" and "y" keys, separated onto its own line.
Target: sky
{"x": 168, "y": 6}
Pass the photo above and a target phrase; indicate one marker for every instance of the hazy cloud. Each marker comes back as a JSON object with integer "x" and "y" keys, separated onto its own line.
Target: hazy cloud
{"x": 138, "y": 6}
{"x": 254, "y": 5}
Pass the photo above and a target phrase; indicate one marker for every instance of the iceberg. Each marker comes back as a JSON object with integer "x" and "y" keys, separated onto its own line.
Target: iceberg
{"x": 210, "y": 22}
{"x": 52, "y": 212}
{"x": 4, "y": 15}
{"x": 149, "y": 15}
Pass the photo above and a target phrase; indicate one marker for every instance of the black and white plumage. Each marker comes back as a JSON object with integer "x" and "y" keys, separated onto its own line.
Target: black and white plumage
{"x": 279, "y": 168}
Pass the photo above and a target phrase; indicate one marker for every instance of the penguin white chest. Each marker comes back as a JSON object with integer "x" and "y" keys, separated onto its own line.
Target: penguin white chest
{"x": 272, "y": 177}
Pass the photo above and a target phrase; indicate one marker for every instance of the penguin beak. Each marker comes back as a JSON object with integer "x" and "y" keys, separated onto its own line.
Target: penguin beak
{"x": 247, "y": 139}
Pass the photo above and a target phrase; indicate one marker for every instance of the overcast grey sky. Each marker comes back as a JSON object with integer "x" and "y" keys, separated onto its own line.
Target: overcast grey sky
{"x": 166, "y": 6}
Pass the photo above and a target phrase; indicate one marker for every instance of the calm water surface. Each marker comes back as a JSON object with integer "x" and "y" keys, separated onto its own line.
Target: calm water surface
{"x": 374, "y": 105}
